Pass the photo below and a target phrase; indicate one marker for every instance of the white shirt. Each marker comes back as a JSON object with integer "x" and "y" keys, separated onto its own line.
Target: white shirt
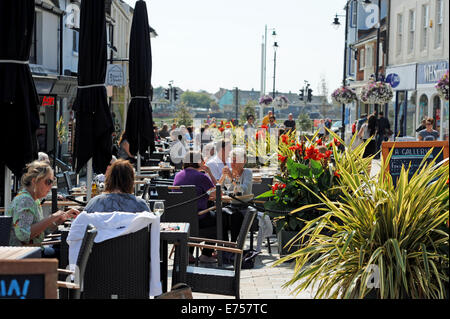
{"x": 112, "y": 225}
{"x": 216, "y": 165}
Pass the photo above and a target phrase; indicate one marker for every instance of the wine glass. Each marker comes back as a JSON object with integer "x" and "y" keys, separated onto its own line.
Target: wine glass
{"x": 158, "y": 208}
{"x": 227, "y": 183}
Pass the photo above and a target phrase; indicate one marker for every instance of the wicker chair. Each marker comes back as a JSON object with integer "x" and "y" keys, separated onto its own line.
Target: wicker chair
{"x": 119, "y": 268}
{"x": 258, "y": 189}
{"x": 5, "y": 230}
{"x": 173, "y": 195}
{"x": 216, "y": 280}
{"x": 83, "y": 256}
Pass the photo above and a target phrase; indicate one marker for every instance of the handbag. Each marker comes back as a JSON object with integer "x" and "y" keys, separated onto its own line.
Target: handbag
{"x": 179, "y": 291}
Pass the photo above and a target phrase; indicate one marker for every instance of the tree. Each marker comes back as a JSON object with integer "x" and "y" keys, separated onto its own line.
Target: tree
{"x": 182, "y": 116}
{"x": 214, "y": 106}
{"x": 304, "y": 122}
{"x": 248, "y": 109}
{"x": 196, "y": 99}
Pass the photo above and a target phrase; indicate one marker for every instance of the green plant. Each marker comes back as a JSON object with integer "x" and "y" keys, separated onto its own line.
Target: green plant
{"x": 304, "y": 122}
{"x": 183, "y": 117}
{"x": 400, "y": 231}
{"x": 308, "y": 163}
{"x": 61, "y": 130}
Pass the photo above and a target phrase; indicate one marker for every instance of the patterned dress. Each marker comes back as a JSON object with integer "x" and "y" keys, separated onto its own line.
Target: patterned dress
{"x": 25, "y": 212}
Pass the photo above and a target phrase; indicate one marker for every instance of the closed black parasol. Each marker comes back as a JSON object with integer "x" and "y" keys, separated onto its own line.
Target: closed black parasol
{"x": 94, "y": 124}
{"x": 18, "y": 98}
{"x": 139, "y": 125}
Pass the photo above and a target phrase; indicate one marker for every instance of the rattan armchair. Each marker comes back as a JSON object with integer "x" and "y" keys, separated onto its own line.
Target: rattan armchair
{"x": 217, "y": 280}
{"x": 76, "y": 287}
{"x": 5, "y": 230}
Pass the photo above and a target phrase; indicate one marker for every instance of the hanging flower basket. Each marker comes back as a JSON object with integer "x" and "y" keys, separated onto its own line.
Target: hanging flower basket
{"x": 442, "y": 87}
{"x": 281, "y": 102}
{"x": 376, "y": 93}
{"x": 344, "y": 95}
{"x": 265, "y": 100}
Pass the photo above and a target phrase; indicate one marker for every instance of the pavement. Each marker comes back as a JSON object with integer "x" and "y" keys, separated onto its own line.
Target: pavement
{"x": 266, "y": 281}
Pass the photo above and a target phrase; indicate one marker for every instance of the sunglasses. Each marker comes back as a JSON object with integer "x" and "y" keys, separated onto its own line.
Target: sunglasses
{"x": 49, "y": 181}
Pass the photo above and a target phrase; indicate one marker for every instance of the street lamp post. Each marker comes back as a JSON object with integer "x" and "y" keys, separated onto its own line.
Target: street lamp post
{"x": 344, "y": 79}
{"x": 275, "y": 47}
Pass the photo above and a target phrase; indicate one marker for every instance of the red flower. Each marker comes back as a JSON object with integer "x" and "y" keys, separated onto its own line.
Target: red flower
{"x": 336, "y": 173}
{"x": 221, "y": 129}
{"x": 336, "y": 142}
{"x": 228, "y": 126}
{"x": 284, "y": 138}
{"x": 328, "y": 154}
{"x": 319, "y": 141}
{"x": 264, "y": 127}
{"x": 281, "y": 158}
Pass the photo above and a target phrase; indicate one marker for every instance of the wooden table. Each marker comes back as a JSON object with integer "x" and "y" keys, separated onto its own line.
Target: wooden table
{"x": 177, "y": 234}
{"x": 61, "y": 203}
{"x": 157, "y": 168}
{"x": 15, "y": 253}
{"x": 144, "y": 176}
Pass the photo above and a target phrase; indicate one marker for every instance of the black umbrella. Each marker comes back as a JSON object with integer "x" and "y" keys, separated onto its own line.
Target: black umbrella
{"x": 18, "y": 98}
{"x": 139, "y": 125}
{"x": 94, "y": 124}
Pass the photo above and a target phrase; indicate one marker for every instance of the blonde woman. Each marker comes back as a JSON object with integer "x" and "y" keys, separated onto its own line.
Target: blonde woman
{"x": 29, "y": 224}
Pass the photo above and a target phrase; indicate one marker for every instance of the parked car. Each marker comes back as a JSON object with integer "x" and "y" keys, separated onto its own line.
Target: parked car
{"x": 336, "y": 126}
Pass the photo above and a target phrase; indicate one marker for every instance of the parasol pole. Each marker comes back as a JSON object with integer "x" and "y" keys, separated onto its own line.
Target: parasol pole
{"x": 7, "y": 197}
{"x": 89, "y": 180}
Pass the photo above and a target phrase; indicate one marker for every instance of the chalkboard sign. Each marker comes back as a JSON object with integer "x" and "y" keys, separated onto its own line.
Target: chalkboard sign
{"x": 28, "y": 279}
{"x": 412, "y": 153}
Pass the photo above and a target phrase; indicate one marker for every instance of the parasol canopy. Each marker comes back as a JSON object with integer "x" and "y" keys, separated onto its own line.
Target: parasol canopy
{"x": 94, "y": 124}
{"x": 139, "y": 125}
{"x": 18, "y": 97}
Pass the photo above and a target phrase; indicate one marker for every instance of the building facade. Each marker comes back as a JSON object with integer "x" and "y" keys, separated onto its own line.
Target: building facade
{"x": 418, "y": 57}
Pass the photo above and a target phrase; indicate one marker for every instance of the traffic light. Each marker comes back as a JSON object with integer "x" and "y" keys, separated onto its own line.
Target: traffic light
{"x": 302, "y": 94}
{"x": 309, "y": 95}
{"x": 167, "y": 94}
{"x": 175, "y": 94}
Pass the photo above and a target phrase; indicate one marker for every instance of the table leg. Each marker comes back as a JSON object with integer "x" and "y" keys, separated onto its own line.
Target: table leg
{"x": 164, "y": 265}
{"x": 183, "y": 260}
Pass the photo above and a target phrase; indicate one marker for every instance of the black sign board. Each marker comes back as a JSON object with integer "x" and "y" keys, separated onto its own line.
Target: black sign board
{"x": 412, "y": 153}
{"x": 22, "y": 286}
{"x": 28, "y": 279}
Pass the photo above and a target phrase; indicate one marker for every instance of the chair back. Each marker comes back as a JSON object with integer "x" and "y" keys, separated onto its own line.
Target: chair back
{"x": 119, "y": 268}
{"x": 68, "y": 182}
{"x": 187, "y": 213}
{"x": 260, "y": 188}
{"x": 83, "y": 256}
{"x": 245, "y": 228}
{"x": 5, "y": 230}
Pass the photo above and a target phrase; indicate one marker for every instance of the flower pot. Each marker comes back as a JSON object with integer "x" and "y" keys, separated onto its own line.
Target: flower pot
{"x": 284, "y": 236}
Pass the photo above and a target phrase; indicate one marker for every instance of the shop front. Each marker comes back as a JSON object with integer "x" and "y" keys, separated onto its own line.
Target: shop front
{"x": 56, "y": 95}
{"x": 429, "y": 102}
{"x": 401, "y": 111}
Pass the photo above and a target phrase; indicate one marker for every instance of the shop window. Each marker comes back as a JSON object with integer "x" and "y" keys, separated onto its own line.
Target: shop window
{"x": 437, "y": 113}
{"x": 423, "y": 107}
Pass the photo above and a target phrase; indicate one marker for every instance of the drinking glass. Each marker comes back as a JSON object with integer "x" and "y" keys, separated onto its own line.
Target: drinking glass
{"x": 158, "y": 208}
{"x": 227, "y": 183}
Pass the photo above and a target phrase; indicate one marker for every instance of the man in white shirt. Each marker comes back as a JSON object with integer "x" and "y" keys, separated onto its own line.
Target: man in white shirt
{"x": 220, "y": 159}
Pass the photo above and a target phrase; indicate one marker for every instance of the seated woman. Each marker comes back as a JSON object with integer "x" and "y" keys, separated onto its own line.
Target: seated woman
{"x": 192, "y": 174}
{"x": 242, "y": 180}
{"x": 118, "y": 196}
{"x": 29, "y": 224}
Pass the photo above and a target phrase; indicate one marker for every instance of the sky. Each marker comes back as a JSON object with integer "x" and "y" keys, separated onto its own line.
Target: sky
{"x": 213, "y": 44}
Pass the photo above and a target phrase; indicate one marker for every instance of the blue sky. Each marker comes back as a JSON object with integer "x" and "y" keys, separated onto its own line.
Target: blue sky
{"x": 212, "y": 44}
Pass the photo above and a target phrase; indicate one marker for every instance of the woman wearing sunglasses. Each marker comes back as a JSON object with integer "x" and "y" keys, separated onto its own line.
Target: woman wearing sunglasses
{"x": 29, "y": 224}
